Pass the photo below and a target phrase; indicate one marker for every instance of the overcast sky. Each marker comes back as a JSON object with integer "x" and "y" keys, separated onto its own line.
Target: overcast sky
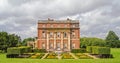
{"x": 96, "y": 17}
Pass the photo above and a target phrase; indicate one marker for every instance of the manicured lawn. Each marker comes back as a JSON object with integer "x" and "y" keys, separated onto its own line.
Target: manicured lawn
{"x": 115, "y": 52}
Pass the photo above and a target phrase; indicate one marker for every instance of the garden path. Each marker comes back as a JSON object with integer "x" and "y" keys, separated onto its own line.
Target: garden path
{"x": 91, "y": 56}
{"x": 73, "y": 55}
{"x": 44, "y": 55}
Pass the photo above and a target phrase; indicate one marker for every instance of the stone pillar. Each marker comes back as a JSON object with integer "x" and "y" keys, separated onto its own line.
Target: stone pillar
{"x": 47, "y": 40}
{"x": 61, "y": 40}
{"x": 55, "y": 41}
{"x": 69, "y": 41}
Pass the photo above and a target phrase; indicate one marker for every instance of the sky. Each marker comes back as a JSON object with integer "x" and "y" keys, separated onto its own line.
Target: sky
{"x": 97, "y": 17}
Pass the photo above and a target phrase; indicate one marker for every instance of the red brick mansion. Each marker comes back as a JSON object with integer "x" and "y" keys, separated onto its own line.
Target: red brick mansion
{"x": 58, "y": 35}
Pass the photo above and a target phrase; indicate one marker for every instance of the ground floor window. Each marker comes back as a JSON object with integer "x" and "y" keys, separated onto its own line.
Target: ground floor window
{"x": 43, "y": 45}
{"x": 73, "y": 45}
{"x": 58, "y": 46}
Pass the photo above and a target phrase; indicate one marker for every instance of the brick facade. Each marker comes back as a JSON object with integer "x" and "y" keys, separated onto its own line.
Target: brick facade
{"x": 60, "y": 35}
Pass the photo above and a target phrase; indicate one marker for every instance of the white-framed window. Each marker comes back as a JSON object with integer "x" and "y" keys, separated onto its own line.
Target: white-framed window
{"x": 64, "y": 34}
{"x": 51, "y": 34}
{"x": 65, "y": 45}
{"x": 73, "y": 45}
{"x": 43, "y": 45}
{"x": 51, "y": 45}
{"x": 58, "y": 34}
{"x": 73, "y": 34}
{"x": 43, "y": 33}
{"x": 58, "y": 45}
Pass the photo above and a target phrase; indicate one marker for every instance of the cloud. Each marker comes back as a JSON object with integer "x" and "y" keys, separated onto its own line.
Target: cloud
{"x": 96, "y": 17}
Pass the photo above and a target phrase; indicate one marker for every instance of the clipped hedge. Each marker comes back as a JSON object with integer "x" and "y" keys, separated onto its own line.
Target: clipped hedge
{"x": 39, "y": 50}
{"x": 1, "y": 51}
{"x": 82, "y": 50}
{"x": 89, "y": 49}
{"x": 98, "y": 50}
{"x": 101, "y": 50}
{"x": 18, "y": 50}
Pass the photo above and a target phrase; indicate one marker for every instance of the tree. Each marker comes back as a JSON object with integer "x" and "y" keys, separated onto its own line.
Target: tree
{"x": 91, "y": 41}
{"x": 8, "y": 40}
{"x": 112, "y": 40}
{"x": 24, "y": 43}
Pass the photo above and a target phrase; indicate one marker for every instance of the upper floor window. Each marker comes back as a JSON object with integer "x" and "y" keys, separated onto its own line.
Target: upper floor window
{"x": 51, "y": 34}
{"x": 58, "y": 34}
{"x": 65, "y": 34}
{"x": 43, "y": 34}
{"x": 73, "y": 34}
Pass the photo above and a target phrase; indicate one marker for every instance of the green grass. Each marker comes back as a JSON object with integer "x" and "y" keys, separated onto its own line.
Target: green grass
{"x": 115, "y": 52}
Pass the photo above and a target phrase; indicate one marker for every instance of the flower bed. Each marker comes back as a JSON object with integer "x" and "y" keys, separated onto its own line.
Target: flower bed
{"x": 82, "y": 56}
{"x": 51, "y": 56}
{"x": 66, "y": 56}
{"x": 37, "y": 56}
